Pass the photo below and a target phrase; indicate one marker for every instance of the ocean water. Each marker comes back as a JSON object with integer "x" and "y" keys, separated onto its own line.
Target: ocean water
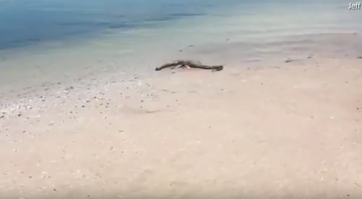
{"x": 25, "y": 22}
{"x": 41, "y": 39}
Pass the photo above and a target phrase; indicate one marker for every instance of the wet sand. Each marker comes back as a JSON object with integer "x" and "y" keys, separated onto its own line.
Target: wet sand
{"x": 288, "y": 127}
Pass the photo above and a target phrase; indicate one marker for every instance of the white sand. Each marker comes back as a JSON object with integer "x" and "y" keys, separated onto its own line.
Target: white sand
{"x": 93, "y": 119}
{"x": 267, "y": 129}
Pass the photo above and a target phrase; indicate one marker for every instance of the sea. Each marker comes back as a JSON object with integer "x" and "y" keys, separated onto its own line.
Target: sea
{"x": 55, "y": 40}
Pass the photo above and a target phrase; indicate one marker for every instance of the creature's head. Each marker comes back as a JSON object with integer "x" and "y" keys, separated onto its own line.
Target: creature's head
{"x": 219, "y": 68}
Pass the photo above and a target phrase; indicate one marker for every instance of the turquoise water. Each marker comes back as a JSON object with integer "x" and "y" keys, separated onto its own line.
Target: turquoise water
{"x": 25, "y": 22}
{"x": 42, "y": 40}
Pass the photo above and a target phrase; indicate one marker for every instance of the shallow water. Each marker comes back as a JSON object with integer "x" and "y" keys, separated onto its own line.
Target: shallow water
{"x": 31, "y": 22}
{"x": 49, "y": 40}
{"x": 27, "y": 22}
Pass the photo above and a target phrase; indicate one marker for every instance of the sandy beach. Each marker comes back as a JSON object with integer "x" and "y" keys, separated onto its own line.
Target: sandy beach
{"x": 277, "y": 128}
{"x": 84, "y": 114}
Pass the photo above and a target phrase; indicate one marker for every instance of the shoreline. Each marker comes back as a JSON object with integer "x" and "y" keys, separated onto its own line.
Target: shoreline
{"x": 91, "y": 118}
{"x": 102, "y": 74}
{"x": 294, "y": 129}
{"x": 112, "y": 60}
{"x": 285, "y": 117}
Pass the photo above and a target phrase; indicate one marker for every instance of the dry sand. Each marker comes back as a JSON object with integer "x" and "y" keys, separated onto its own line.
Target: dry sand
{"x": 276, "y": 130}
